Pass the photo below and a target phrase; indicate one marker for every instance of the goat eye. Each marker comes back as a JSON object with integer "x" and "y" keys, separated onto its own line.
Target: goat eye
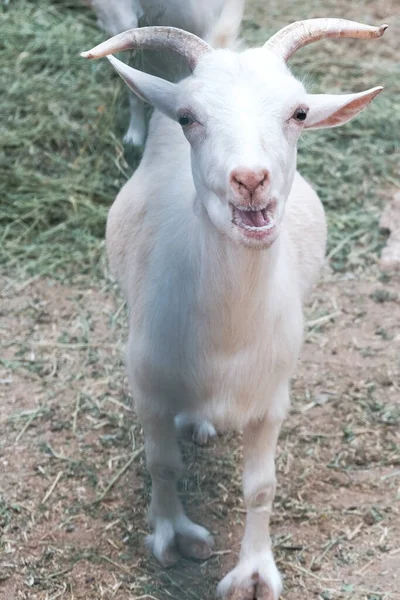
{"x": 300, "y": 114}
{"x": 185, "y": 120}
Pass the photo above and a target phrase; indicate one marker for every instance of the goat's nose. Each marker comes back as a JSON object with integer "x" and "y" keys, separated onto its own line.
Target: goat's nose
{"x": 248, "y": 179}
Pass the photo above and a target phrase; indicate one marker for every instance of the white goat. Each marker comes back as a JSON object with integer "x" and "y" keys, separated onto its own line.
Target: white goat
{"x": 216, "y": 241}
{"x": 223, "y": 17}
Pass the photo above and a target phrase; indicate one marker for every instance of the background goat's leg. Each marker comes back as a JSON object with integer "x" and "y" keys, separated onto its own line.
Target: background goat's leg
{"x": 115, "y": 17}
{"x": 256, "y": 575}
{"x": 137, "y": 127}
{"x": 174, "y": 533}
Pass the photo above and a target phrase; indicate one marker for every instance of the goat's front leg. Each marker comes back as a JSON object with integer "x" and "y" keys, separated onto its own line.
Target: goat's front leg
{"x": 256, "y": 576}
{"x": 174, "y": 533}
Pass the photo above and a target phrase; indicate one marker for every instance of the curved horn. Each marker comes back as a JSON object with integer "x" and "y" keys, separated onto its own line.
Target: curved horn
{"x": 299, "y": 34}
{"x": 188, "y": 45}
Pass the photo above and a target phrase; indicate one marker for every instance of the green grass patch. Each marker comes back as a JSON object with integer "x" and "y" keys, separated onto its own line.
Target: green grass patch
{"x": 62, "y": 160}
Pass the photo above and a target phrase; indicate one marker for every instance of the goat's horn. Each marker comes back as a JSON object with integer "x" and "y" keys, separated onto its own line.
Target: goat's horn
{"x": 299, "y": 34}
{"x": 188, "y": 45}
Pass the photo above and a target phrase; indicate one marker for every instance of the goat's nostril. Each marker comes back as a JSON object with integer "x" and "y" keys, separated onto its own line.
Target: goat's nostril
{"x": 248, "y": 179}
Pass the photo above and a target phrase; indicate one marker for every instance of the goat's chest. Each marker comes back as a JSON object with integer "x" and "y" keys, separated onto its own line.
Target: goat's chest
{"x": 223, "y": 359}
{"x": 245, "y": 367}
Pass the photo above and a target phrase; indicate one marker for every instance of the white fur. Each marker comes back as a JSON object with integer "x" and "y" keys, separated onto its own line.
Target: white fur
{"x": 266, "y": 584}
{"x": 199, "y": 430}
{"x": 215, "y": 316}
{"x": 217, "y": 21}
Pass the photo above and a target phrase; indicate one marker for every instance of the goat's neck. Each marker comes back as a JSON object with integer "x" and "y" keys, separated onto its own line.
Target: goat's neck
{"x": 231, "y": 273}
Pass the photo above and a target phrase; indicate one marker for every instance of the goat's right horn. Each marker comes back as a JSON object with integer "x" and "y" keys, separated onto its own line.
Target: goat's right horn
{"x": 186, "y": 44}
{"x": 299, "y": 34}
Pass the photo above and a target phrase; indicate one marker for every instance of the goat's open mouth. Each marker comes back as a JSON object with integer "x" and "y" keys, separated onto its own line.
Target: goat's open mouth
{"x": 255, "y": 223}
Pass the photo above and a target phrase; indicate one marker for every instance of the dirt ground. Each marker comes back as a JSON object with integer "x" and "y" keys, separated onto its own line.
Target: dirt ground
{"x": 74, "y": 486}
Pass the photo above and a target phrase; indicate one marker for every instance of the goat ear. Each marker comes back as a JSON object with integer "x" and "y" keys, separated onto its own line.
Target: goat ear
{"x": 327, "y": 110}
{"x": 159, "y": 93}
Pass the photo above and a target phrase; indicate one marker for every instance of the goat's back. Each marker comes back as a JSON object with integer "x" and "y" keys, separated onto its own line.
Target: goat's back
{"x": 145, "y": 209}
{"x": 305, "y": 222}
{"x": 217, "y": 21}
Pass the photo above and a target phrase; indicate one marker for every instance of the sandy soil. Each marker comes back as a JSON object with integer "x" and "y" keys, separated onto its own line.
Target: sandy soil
{"x": 74, "y": 488}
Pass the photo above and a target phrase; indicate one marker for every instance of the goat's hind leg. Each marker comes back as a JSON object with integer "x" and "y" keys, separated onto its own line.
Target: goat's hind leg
{"x": 190, "y": 426}
{"x": 174, "y": 534}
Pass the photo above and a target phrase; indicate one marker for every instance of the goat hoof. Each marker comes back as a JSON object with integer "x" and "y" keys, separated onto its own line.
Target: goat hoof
{"x": 165, "y": 550}
{"x": 169, "y": 557}
{"x": 202, "y": 432}
{"x": 173, "y": 539}
{"x": 135, "y": 136}
{"x": 195, "y": 547}
{"x": 255, "y": 590}
{"x": 252, "y": 579}
{"x": 190, "y": 428}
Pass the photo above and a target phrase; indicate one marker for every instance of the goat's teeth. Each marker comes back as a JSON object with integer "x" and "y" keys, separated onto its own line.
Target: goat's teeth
{"x": 264, "y": 228}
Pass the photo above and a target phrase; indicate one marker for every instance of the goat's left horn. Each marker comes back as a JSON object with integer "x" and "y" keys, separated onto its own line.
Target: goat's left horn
{"x": 186, "y": 44}
{"x": 299, "y": 34}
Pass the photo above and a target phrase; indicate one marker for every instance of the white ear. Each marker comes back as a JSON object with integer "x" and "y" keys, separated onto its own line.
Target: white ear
{"x": 328, "y": 110}
{"x": 158, "y": 92}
